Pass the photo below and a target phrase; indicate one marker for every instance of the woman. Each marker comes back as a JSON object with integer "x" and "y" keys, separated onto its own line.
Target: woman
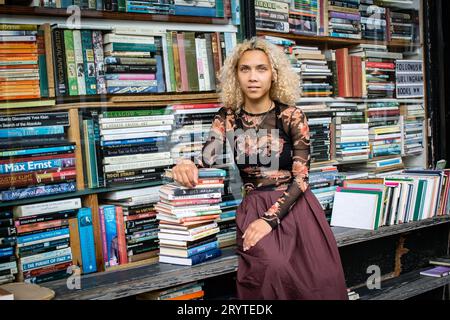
{"x": 285, "y": 245}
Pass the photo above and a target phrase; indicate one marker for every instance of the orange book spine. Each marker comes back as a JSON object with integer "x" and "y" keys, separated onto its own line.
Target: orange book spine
{"x": 41, "y": 225}
{"x": 189, "y": 296}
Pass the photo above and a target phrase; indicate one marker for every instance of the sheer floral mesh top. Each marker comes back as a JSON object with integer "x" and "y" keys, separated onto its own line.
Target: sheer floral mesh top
{"x": 271, "y": 150}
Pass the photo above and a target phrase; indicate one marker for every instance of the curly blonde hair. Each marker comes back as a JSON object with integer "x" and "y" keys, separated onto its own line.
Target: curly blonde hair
{"x": 286, "y": 82}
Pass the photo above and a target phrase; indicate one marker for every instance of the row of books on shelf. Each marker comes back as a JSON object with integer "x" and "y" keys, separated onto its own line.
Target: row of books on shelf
{"x": 210, "y": 8}
{"x": 365, "y": 70}
{"x": 169, "y": 224}
{"x": 125, "y": 147}
{"x": 188, "y": 226}
{"x": 375, "y": 20}
{"x": 411, "y": 195}
{"x": 44, "y": 61}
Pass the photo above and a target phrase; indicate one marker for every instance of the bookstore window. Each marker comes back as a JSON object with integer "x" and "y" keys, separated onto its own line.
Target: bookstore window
{"x": 99, "y": 99}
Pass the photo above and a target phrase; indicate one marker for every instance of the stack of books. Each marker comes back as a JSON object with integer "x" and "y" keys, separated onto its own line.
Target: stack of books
{"x": 352, "y": 134}
{"x": 304, "y": 17}
{"x": 320, "y": 135}
{"x": 36, "y": 159}
{"x": 22, "y": 62}
{"x": 133, "y": 63}
{"x": 373, "y": 21}
{"x": 272, "y": 15}
{"x": 344, "y": 19}
{"x": 413, "y": 117}
{"x": 134, "y": 145}
{"x": 378, "y": 69}
{"x": 188, "y": 219}
{"x": 8, "y": 261}
{"x": 129, "y": 227}
{"x": 44, "y": 239}
{"x": 227, "y": 223}
{"x": 322, "y": 182}
{"x": 192, "y": 125}
{"x": 385, "y": 134}
{"x": 314, "y": 72}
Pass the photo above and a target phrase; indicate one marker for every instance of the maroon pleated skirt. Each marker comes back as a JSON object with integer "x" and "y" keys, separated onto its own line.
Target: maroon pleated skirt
{"x": 297, "y": 260}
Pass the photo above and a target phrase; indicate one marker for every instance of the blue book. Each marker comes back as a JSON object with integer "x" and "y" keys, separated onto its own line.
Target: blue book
{"x": 112, "y": 247}
{"x": 159, "y": 73}
{"x": 31, "y": 131}
{"x": 87, "y": 245}
{"x": 133, "y": 141}
{"x": 195, "y": 11}
{"x": 26, "y": 152}
{"x": 203, "y": 248}
{"x": 46, "y": 262}
{"x": 42, "y": 235}
{"x": 193, "y": 260}
{"x": 40, "y": 191}
{"x": 36, "y": 165}
{"x": 211, "y": 173}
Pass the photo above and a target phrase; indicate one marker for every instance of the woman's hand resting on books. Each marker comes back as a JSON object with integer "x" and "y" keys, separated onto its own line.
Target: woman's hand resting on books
{"x": 257, "y": 230}
{"x": 185, "y": 173}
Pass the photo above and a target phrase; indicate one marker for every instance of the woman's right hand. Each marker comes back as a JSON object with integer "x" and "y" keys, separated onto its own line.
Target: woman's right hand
{"x": 185, "y": 173}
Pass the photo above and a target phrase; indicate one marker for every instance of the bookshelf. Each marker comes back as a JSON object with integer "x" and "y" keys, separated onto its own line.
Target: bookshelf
{"x": 134, "y": 278}
{"x": 116, "y": 284}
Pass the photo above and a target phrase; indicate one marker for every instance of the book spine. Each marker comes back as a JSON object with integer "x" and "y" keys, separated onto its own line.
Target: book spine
{"x": 205, "y": 256}
{"x": 79, "y": 62}
{"x": 61, "y": 84}
{"x": 41, "y": 236}
{"x": 36, "y": 165}
{"x": 46, "y": 262}
{"x": 97, "y": 44}
{"x": 18, "y": 194}
{"x": 89, "y": 62}
{"x": 87, "y": 245}
{"x": 70, "y": 63}
{"x": 42, "y": 62}
{"x": 111, "y": 236}
{"x": 34, "y": 178}
{"x": 121, "y": 241}
{"x": 170, "y": 58}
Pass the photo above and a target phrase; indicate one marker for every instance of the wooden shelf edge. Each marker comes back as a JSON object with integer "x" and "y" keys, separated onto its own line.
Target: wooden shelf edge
{"x": 349, "y": 236}
{"x": 136, "y": 280}
{"x": 405, "y": 286}
{"x": 98, "y": 14}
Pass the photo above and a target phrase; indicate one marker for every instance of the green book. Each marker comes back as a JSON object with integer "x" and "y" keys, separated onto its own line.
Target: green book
{"x": 173, "y": 83}
{"x": 89, "y": 62}
{"x": 42, "y": 62}
{"x": 220, "y": 12}
{"x": 120, "y": 46}
{"x": 419, "y": 197}
{"x": 72, "y": 78}
{"x": 134, "y": 113}
{"x": 191, "y": 60}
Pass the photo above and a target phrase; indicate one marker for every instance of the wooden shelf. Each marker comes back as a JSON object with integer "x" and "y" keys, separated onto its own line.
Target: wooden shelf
{"x": 135, "y": 280}
{"x": 334, "y": 41}
{"x": 119, "y": 101}
{"x": 404, "y": 286}
{"x": 97, "y": 14}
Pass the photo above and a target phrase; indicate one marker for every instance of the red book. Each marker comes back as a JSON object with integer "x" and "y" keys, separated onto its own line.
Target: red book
{"x": 121, "y": 242}
{"x": 344, "y": 73}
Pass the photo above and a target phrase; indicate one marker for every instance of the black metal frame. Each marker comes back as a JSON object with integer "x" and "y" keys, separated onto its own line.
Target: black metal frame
{"x": 437, "y": 77}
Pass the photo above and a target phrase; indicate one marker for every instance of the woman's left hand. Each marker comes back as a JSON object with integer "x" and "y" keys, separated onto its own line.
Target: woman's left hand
{"x": 257, "y": 230}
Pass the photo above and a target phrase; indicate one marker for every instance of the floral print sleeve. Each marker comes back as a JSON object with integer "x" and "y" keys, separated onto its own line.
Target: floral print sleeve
{"x": 299, "y": 133}
{"x": 213, "y": 148}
